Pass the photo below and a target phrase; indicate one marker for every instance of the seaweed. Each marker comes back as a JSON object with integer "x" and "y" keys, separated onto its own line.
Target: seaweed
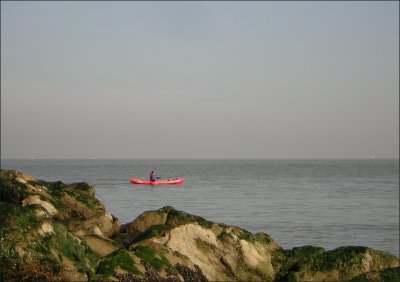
{"x": 205, "y": 247}
{"x": 156, "y": 260}
{"x": 250, "y": 237}
{"x": 176, "y": 218}
{"x": 152, "y": 231}
{"x": 119, "y": 258}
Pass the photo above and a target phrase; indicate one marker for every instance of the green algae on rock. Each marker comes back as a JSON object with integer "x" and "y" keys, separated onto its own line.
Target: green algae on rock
{"x": 222, "y": 252}
{"x": 340, "y": 264}
{"x": 121, "y": 259}
{"x": 391, "y": 274}
{"x": 52, "y": 231}
{"x": 31, "y": 240}
{"x": 155, "y": 259}
{"x": 34, "y": 238}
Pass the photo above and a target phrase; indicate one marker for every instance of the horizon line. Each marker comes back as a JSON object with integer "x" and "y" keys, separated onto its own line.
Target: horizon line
{"x": 208, "y": 158}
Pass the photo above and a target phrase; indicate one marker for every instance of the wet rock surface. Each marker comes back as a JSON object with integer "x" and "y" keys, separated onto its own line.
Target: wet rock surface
{"x": 52, "y": 231}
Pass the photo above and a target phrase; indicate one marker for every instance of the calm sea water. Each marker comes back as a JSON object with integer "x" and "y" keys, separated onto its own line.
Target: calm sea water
{"x": 327, "y": 203}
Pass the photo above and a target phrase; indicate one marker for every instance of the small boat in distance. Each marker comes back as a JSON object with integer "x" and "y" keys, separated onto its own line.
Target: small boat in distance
{"x": 158, "y": 182}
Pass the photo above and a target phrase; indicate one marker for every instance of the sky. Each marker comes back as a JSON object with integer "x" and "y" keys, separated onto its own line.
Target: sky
{"x": 260, "y": 79}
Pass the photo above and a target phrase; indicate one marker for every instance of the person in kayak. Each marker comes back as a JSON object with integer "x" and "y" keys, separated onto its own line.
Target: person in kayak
{"x": 153, "y": 176}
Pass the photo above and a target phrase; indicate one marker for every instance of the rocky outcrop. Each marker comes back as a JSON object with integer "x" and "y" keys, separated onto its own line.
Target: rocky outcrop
{"x": 49, "y": 228}
{"x": 311, "y": 263}
{"x": 55, "y": 231}
{"x": 222, "y": 252}
{"x": 226, "y": 253}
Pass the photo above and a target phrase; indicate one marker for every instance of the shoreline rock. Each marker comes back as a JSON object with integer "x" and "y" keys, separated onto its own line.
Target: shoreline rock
{"x": 53, "y": 231}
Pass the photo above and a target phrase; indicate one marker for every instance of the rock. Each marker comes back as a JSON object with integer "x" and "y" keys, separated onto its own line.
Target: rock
{"x": 39, "y": 224}
{"x": 388, "y": 274}
{"x": 109, "y": 225}
{"x": 45, "y": 229}
{"x": 344, "y": 263}
{"x": 23, "y": 178}
{"x": 73, "y": 204}
{"x": 230, "y": 253}
{"x": 222, "y": 252}
{"x": 117, "y": 262}
{"x": 37, "y": 248}
{"x": 79, "y": 208}
{"x": 100, "y": 245}
{"x": 51, "y": 231}
{"x": 12, "y": 191}
{"x": 146, "y": 220}
{"x": 35, "y": 200}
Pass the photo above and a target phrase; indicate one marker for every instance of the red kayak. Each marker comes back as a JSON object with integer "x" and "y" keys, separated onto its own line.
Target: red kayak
{"x": 158, "y": 182}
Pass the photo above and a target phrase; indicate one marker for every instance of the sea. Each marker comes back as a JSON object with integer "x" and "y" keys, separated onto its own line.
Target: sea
{"x": 326, "y": 203}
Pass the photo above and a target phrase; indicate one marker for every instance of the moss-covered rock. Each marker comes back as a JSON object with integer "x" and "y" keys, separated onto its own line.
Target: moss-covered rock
{"x": 231, "y": 253}
{"x": 44, "y": 248}
{"x": 155, "y": 258}
{"x": 35, "y": 241}
{"x": 176, "y": 218}
{"x": 290, "y": 261}
{"x": 144, "y": 226}
{"x": 155, "y": 223}
{"x": 222, "y": 252}
{"x": 12, "y": 190}
{"x": 52, "y": 231}
{"x": 72, "y": 204}
{"x": 343, "y": 263}
{"x": 391, "y": 274}
{"x": 120, "y": 261}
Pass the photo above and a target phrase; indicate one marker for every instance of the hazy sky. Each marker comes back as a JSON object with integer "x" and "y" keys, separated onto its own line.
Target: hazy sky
{"x": 199, "y": 79}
